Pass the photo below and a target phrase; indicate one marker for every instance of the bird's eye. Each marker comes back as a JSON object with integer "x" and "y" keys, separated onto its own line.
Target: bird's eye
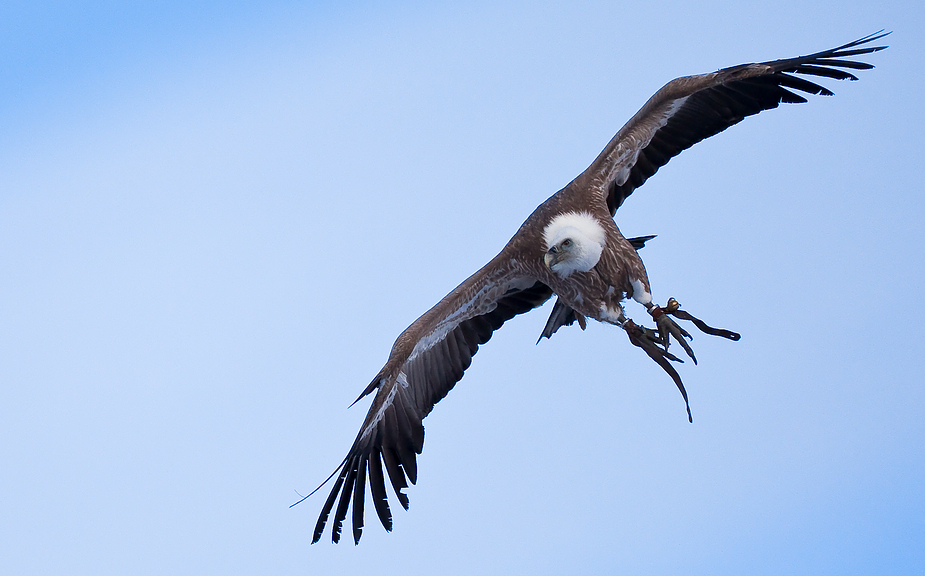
{"x": 566, "y": 243}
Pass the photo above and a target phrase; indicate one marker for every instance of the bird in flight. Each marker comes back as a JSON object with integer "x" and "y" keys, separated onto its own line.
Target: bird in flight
{"x": 570, "y": 247}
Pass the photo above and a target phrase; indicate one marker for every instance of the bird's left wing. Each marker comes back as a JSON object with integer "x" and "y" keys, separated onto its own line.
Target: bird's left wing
{"x": 427, "y": 360}
{"x": 693, "y": 108}
{"x": 690, "y": 109}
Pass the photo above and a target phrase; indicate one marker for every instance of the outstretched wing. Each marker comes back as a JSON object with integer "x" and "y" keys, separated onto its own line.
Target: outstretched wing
{"x": 693, "y": 108}
{"x": 427, "y": 360}
{"x": 690, "y": 109}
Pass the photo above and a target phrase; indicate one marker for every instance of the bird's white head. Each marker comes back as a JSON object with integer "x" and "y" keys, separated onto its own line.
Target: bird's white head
{"x": 574, "y": 243}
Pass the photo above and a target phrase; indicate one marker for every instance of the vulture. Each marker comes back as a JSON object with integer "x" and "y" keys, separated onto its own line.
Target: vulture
{"x": 569, "y": 247}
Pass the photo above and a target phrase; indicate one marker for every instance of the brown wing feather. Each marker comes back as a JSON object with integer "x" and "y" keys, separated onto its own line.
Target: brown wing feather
{"x": 693, "y": 108}
{"x": 414, "y": 379}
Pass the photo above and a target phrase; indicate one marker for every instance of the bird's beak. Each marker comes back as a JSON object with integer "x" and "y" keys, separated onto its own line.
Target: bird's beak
{"x": 550, "y": 259}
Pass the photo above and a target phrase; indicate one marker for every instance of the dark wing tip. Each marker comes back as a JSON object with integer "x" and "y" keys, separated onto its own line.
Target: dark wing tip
{"x": 831, "y": 59}
{"x": 845, "y": 49}
{"x": 869, "y": 38}
{"x": 639, "y": 242}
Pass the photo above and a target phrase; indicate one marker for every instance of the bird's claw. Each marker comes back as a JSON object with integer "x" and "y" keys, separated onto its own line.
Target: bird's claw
{"x": 668, "y": 327}
{"x": 655, "y": 344}
{"x": 674, "y": 309}
{"x": 648, "y": 340}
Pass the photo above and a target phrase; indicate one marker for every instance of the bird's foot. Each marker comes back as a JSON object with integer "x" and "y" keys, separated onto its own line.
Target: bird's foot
{"x": 656, "y": 344}
{"x": 674, "y": 309}
{"x": 649, "y": 341}
{"x": 668, "y": 327}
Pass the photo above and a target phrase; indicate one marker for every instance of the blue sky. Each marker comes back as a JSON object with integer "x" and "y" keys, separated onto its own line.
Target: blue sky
{"x": 216, "y": 218}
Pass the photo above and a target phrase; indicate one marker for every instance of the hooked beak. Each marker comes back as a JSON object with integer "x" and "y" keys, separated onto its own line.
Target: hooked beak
{"x": 551, "y": 258}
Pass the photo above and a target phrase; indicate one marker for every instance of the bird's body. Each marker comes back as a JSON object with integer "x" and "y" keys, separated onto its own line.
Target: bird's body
{"x": 570, "y": 247}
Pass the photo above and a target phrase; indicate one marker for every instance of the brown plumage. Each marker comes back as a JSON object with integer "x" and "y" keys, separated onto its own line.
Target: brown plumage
{"x": 571, "y": 247}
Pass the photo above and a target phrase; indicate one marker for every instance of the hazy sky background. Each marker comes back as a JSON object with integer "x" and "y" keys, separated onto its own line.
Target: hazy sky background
{"x": 215, "y": 219}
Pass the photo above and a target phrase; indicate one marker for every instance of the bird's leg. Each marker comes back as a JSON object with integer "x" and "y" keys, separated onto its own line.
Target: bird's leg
{"x": 640, "y": 336}
{"x": 656, "y": 344}
{"x": 648, "y": 340}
